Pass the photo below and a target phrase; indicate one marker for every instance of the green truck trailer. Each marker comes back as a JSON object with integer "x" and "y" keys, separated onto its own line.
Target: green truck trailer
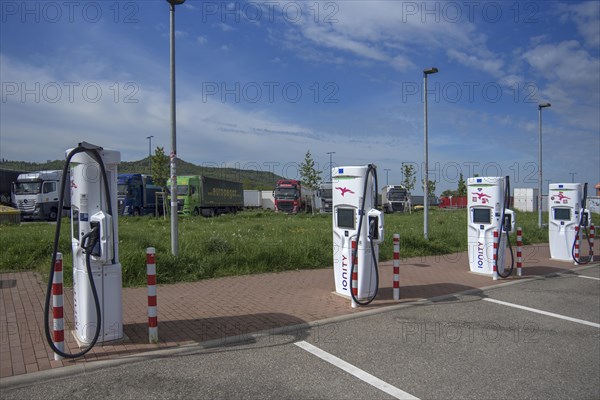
{"x": 202, "y": 195}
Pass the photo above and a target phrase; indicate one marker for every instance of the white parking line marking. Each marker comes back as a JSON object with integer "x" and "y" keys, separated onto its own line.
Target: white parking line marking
{"x": 579, "y": 321}
{"x": 589, "y": 277}
{"x": 357, "y": 372}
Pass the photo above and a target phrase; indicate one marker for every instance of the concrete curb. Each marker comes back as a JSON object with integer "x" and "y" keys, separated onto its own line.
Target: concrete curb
{"x": 58, "y": 373}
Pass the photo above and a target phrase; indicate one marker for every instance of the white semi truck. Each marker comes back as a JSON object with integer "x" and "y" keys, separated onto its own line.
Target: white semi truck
{"x": 324, "y": 198}
{"x": 395, "y": 198}
{"x": 36, "y": 194}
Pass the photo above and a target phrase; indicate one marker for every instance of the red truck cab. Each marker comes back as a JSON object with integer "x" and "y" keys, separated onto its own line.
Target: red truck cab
{"x": 288, "y": 196}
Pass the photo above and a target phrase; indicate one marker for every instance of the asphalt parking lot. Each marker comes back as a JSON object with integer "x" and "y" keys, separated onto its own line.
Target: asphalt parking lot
{"x": 477, "y": 345}
{"x": 468, "y": 347}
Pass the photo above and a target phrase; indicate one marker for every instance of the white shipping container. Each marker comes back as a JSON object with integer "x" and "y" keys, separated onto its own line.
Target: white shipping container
{"x": 593, "y": 204}
{"x": 525, "y": 199}
{"x": 252, "y": 198}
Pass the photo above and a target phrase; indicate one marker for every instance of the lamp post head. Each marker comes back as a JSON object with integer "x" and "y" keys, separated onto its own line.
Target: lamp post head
{"x": 175, "y": 2}
{"x": 543, "y": 105}
{"x": 431, "y": 70}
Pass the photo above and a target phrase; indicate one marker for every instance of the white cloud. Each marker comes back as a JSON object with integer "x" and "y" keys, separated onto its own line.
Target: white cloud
{"x": 512, "y": 81}
{"x": 59, "y": 114}
{"x": 328, "y": 38}
{"x": 486, "y": 64}
{"x": 586, "y": 16}
{"x": 402, "y": 63}
{"x": 568, "y": 78}
{"x": 566, "y": 61}
{"x": 535, "y": 40}
{"x": 225, "y": 27}
{"x": 208, "y": 131}
{"x": 380, "y": 31}
{"x": 201, "y": 40}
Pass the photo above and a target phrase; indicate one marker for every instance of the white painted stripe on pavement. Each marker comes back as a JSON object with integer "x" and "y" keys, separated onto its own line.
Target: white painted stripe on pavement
{"x": 357, "y": 372}
{"x": 589, "y": 277}
{"x": 535, "y": 310}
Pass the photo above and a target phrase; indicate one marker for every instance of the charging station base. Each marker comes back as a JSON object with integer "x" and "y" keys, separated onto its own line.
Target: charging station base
{"x": 347, "y": 297}
{"x": 83, "y": 345}
{"x": 480, "y": 273}
{"x": 341, "y": 295}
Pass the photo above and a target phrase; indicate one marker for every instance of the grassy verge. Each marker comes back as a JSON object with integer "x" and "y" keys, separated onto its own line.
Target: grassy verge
{"x": 246, "y": 243}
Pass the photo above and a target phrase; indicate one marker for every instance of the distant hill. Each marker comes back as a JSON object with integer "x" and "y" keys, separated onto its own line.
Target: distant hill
{"x": 252, "y": 179}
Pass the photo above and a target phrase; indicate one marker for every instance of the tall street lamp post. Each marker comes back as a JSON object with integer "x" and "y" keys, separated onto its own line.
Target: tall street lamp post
{"x": 427, "y": 71}
{"x": 573, "y": 176}
{"x": 331, "y": 153}
{"x": 173, "y": 155}
{"x": 149, "y": 145}
{"x": 540, "y": 106}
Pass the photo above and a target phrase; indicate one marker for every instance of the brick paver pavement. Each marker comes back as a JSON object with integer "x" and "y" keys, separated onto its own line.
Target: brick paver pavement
{"x": 234, "y": 306}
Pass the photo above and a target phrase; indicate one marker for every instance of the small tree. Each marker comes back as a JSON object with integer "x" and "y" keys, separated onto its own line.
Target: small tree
{"x": 462, "y": 186}
{"x": 449, "y": 192}
{"x": 309, "y": 176}
{"x": 431, "y": 188}
{"x": 160, "y": 167}
{"x": 408, "y": 171}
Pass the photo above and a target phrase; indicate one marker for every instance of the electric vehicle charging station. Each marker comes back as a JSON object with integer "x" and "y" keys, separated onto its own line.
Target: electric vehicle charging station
{"x": 89, "y": 203}
{"x": 356, "y": 218}
{"x": 487, "y": 205}
{"x": 566, "y": 207}
{"x": 97, "y": 283}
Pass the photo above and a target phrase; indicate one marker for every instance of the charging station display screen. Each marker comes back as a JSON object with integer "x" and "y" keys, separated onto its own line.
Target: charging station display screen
{"x": 482, "y": 215}
{"x": 345, "y": 218}
{"x": 562, "y": 214}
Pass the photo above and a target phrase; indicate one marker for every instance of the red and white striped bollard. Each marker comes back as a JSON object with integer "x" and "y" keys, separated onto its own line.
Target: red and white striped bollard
{"x": 152, "y": 314}
{"x": 577, "y": 245}
{"x": 396, "y": 267}
{"x": 354, "y": 285}
{"x": 519, "y": 251}
{"x": 495, "y": 257}
{"x": 58, "y": 330}
{"x": 592, "y": 236}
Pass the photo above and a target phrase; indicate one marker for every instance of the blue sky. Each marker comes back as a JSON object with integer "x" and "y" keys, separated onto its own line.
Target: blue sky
{"x": 260, "y": 83}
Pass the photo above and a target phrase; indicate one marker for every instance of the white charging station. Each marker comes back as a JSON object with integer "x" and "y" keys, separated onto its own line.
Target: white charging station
{"x": 351, "y": 202}
{"x": 90, "y": 210}
{"x": 485, "y": 203}
{"x": 565, "y": 212}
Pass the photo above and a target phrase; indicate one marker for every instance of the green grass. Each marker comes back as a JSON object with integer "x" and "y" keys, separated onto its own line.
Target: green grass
{"x": 447, "y": 232}
{"x": 246, "y": 243}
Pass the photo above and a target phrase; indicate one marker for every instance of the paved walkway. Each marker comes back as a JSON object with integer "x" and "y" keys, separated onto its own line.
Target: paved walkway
{"x": 235, "y": 306}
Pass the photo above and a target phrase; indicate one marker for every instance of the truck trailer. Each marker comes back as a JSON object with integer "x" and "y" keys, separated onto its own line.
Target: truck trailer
{"x": 202, "y": 195}
{"x": 453, "y": 202}
{"x": 36, "y": 194}
{"x": 7, "y": 180}
{"x": 252, "y": 199}
{"x": 136, "y": 194}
